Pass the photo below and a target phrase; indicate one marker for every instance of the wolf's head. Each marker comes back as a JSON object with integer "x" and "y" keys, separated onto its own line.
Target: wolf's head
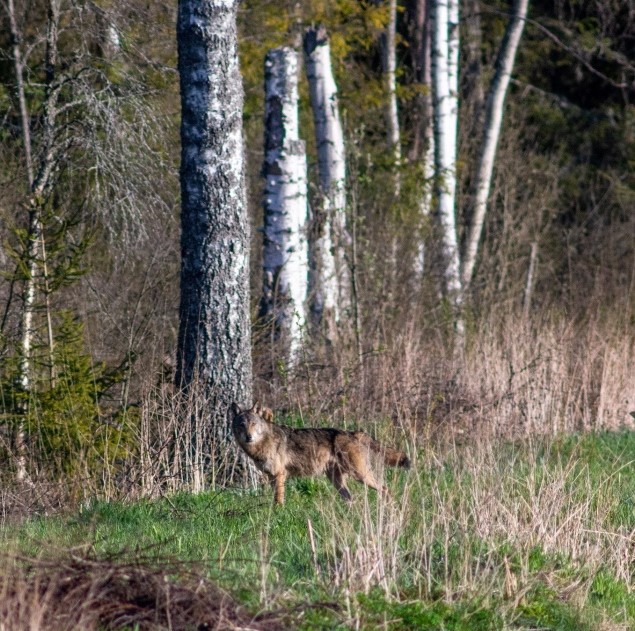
{"x": 249, "y": 426}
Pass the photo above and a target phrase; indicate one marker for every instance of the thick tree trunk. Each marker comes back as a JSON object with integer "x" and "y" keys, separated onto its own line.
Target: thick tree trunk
{"x": 491, "y": 133}
{"x": 214, "y": 353}
{"x": 444, "y": 64}
{"x": 285, "y": 249}
{"x": 330, "y": 276}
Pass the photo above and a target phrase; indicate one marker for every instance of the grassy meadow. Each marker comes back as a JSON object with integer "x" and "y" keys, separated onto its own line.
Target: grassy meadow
{"x": 491, "y": 534}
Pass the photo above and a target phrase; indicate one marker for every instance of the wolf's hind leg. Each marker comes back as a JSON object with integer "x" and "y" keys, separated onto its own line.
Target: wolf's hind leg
{"x": 338, "y": 479}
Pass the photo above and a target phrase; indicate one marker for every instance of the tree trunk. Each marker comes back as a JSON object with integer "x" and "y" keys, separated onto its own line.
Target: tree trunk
{"x": 423, "y": 145}
{"x": 37, "y": 185}
{"x": 19, "y": 82}
{"x": 392, "y": 114}
{"x": 493, "y": 123}
{"x": 529, "y": 284}
{"x": 445, "y": 119}
{"x": 472, "y": 79}
{"x": 453, "y": 72}
{"x": 285, "y": 249}
{"x": 330, "y": 277}
{"x": 29, "y": 289}
{"x": 214, "y": 353}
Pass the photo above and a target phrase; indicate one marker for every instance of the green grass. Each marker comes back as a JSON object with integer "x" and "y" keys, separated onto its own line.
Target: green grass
{"x": 495, "y": 537}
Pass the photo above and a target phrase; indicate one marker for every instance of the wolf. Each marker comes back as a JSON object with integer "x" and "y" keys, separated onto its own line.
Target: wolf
{"x": 282, "y": 452}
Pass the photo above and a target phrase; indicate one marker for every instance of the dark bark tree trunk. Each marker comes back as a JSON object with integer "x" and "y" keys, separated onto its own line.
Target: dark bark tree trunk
{"x": 420, "y": 44}
{"x": 423, "y": 136}
{"x": 472, "y": 80}
{"x": 214, "y": 352}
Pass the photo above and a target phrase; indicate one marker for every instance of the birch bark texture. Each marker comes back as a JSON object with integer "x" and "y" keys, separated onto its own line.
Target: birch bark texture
{"x": 453, "y": 75}
{"x": 214, "y": 353}
{"x": 445, "y": 118}
{"x": 392, "y": 115}
{"x": 494, "y": 110}
{"x": 329, "y": 282}
{"x": 285, "y": 247}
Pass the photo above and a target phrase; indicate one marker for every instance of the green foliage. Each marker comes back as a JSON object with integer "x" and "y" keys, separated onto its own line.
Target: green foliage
{"x": 428, "y": 616}
{"x": 69, "y": 432}
{"x": 66, "y": 420}
{"x": 544, "y": 610}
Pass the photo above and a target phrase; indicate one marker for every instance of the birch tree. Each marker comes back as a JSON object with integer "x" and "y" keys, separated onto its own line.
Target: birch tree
{"x": 214, "y": 334}
{"x": 39, "y": 182}
{"x": 285, "y": 248}
{"x": 445, "y": 116}
{"x": 392, "y": 114}
{"x": 329, "y": 278}
{"x": 29, "y": 291}
{"x": 492, "y": 127}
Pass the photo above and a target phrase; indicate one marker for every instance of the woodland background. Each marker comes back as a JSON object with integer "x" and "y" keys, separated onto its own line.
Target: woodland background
{"x": 101, "y": 411}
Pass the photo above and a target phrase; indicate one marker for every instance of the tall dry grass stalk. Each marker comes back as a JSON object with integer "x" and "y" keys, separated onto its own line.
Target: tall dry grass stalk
{"x": 517, "y": 377}
{"x": 179, "y": 449}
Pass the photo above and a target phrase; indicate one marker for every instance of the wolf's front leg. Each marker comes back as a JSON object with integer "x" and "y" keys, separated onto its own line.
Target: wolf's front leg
{"x": 278, "y": 485}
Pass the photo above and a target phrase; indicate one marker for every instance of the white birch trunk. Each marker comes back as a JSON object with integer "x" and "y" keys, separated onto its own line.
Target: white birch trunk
{"x": 285, "y": 249}
{"x": 453, "y": 72}
{"x": 330, "y": 277}
{"x": 493, "y": 122}
{"x": 394, "y": 141}
{"x": 37, "y": 185}
{"x": 29, "y": 292}
{"x": 444, "y": 103}
{"x": 426, "y": 132}
{"x": 529, "y": 285}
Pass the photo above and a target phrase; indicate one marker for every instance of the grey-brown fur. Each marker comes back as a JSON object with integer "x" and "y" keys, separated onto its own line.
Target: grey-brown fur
{"x": 281, "y": 452}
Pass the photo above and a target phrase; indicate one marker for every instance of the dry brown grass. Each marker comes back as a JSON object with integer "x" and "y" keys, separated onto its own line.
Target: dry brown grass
{"x": 516, "y": 378}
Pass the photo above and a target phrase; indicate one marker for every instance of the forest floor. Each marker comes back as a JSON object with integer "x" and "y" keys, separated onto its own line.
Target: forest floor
{"x": 538, "y": 534}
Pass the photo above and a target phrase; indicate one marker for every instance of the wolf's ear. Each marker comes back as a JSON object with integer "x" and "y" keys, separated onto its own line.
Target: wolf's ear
{"x": 256, "y": 408}
{"x": 267, "y": 414}
{"x": 234, "y": 410}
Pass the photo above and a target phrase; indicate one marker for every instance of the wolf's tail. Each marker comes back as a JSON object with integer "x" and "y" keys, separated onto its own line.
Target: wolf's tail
{"x": 392, "y": 457}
